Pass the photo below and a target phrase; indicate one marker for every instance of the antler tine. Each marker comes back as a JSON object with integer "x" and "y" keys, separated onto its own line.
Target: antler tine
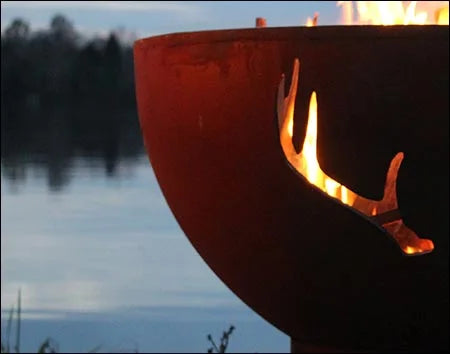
{"x": 285, "y": 110}
{"x": 281, "y": 103}
{"x": 290, "y": 99}
{"x": 389, "y": 200}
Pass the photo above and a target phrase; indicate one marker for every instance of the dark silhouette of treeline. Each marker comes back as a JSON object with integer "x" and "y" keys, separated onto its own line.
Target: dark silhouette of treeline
{"x": 64, "y": 97}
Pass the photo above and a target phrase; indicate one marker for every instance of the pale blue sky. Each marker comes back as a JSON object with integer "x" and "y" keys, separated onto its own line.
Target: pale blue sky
{"x": 147, "y": 18}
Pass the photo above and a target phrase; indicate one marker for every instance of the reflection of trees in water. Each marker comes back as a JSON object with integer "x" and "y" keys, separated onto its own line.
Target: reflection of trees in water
{"x": 53, "y": 135}
{"x": 62, "y": 99}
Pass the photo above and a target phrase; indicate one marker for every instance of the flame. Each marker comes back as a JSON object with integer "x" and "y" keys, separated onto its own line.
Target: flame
{"x": 393, "y": 13}
{"x": 441, "y": 16}
{"x": 309, "y": 166}
{"x": 383, "y": 212}
{"x": 310, "y": 22}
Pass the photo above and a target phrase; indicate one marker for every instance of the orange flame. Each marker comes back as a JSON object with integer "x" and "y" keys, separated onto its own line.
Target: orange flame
{"x": 394, "y": 13}
{"x": 383, "y": 212}
{"x": 310, "y": 22}
{"x": 441, "y": 16}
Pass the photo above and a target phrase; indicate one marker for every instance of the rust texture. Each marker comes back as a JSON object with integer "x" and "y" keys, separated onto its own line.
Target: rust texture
{"x": 316, "y": 270}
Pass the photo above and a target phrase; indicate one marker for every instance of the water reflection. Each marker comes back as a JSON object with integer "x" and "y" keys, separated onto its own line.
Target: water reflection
{"x": 103, "y": 261}
{"x": 51, "y": 136}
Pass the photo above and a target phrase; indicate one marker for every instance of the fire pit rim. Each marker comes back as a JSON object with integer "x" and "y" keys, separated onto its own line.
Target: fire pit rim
{"x": 362, "y": 32}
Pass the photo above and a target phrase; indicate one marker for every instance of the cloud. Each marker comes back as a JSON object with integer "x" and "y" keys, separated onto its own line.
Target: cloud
{"x": 133, "y": 6}
{"x": 98, "y": 17}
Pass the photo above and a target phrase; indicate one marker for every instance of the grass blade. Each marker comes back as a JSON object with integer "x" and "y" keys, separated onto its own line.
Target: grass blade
{"x": 8, "y": 330}
{"x": 18, "y": 323}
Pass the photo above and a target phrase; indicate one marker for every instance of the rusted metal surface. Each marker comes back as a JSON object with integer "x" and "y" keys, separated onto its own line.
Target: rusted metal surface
{"x": 315, "y": 269}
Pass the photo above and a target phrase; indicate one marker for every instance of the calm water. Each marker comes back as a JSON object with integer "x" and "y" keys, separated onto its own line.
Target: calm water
{"x": 102, "y": 261}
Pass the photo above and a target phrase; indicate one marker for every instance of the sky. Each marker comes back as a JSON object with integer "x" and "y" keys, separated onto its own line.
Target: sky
{"x": 139, "y": 19}
{"x": 148, "y": 18}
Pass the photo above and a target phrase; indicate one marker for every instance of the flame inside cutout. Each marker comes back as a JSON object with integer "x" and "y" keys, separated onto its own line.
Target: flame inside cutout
{"x": 383, "y": 212}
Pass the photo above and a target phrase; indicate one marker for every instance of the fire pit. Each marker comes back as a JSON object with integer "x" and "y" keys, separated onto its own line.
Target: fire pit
{"x": 309, "y": 168}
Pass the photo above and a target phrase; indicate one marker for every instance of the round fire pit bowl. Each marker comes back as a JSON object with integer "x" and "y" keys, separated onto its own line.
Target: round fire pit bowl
{"x": 313, "y": 267}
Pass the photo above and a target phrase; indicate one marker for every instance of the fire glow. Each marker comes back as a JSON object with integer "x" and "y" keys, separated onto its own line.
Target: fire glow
{"x": 384, "y": 213}
{"x": 391, "y": 13}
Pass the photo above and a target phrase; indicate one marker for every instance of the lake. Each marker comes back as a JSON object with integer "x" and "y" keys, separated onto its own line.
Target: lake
{"x": 101, "y": 261}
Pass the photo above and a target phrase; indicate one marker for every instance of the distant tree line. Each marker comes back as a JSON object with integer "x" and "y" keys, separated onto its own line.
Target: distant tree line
{"x": 63, "y": 96}
{"x": 56, "y": 64}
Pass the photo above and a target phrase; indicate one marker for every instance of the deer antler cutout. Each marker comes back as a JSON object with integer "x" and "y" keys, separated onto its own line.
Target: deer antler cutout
{"x": 385, "y": 212}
